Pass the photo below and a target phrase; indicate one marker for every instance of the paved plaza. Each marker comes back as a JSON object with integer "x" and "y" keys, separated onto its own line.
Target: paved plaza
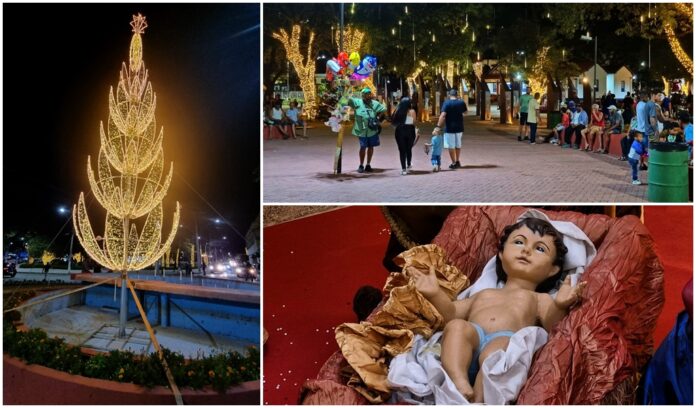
{"x": 496, "y": 168}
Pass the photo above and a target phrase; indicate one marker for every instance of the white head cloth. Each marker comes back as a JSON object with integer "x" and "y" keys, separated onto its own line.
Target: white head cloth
{"x": 581, "y": 251}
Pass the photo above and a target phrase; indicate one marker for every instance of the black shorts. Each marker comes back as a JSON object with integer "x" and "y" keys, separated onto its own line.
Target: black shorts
{"x": 523, "y": 118}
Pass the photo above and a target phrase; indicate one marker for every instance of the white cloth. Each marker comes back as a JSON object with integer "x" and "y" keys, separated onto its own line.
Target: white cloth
{"x": 581, "y": 251}
{"x": 417, "y": 376}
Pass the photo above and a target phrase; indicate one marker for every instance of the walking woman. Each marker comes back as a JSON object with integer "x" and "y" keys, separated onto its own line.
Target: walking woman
{"x": 404, "y": 119}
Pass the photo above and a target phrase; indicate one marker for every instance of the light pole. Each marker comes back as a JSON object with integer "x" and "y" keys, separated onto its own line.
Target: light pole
{"x": 587, "y": 37}
{"x": 340, "y": 29}
{"x": 62, "y": 210}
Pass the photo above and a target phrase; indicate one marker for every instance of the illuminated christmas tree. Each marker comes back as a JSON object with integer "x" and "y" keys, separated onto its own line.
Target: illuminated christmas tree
{"x": 128, "y": 182}
{"x": 129, "y": 186}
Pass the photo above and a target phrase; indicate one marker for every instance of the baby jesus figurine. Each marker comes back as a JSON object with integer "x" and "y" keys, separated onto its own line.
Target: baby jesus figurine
{"x": 529, "y": 261}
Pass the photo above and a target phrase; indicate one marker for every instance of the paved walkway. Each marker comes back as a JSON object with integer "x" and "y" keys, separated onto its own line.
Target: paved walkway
{"x": 496, "y": 169}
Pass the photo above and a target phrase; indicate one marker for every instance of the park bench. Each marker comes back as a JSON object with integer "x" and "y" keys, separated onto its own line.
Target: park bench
{"x": 271, "y": 131}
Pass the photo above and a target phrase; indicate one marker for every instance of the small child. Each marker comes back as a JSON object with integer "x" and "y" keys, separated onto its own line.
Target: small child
{"x": 436, "y": 144}
{"x": 634, "y": 156}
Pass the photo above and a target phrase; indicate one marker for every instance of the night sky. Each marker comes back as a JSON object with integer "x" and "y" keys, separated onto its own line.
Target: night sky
{"x": 60, "y": 61}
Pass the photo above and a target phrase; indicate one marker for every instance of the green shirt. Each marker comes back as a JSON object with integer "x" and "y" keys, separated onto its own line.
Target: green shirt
{"x": 524, "y": 102}
{"x": 362, "y": 114}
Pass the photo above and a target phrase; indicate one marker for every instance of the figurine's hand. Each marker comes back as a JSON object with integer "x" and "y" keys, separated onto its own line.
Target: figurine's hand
{"x": 426, "y": 283}
{"x": 567, "y": 295}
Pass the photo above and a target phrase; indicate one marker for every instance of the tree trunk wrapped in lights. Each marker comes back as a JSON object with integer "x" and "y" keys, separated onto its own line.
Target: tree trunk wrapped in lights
{"x": 128, "y": 182}
{"x": 677, "y": 49}
{"x": 352, "y": 40}
{"x": 305, "y": 69}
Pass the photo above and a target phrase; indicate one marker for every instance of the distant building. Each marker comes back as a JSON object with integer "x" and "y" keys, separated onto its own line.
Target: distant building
{"x": 615, "y": 78}
{"x": 619, "y": 80}
{"x": 588, "y": 74}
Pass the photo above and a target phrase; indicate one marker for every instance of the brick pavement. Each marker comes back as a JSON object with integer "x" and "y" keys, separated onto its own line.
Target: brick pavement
{"x": 496, "y": 169}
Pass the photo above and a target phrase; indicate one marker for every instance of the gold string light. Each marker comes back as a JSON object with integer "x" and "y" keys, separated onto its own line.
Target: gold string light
{"x": 128, "y": 182}
{"x": 450, "y": 72}
{"x": 683, "y": 8}
{"x": 417, "y": 71}
{"x": 47, "y": 257}
{"x": 352, "y": 40}
{"x": 537, "y": 78}
{"x": 677, "y": 49}
{"x": 305, "y": 70}
{"x": 367, "y": 82}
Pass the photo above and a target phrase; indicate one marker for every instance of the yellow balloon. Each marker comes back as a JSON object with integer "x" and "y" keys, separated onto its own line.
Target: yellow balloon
{"x": 354, "y": 58}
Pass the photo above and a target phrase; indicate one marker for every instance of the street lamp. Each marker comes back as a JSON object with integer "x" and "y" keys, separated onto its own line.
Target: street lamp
{"x": 588, "y": 38}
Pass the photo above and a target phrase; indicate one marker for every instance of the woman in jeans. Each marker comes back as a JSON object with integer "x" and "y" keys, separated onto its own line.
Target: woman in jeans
{"x": 404, "y": 119}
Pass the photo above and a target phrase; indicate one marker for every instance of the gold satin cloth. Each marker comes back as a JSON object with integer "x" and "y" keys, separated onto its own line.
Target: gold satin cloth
{"x": 369, "y": 346}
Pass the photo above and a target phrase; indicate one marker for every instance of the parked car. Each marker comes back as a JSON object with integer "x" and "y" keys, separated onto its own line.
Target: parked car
{"x": 9, "y": 268}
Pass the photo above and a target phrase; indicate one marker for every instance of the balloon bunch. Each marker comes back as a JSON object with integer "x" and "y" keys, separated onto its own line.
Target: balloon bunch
{"x": 350, "y": 66}
{"x": 345, "y": 72}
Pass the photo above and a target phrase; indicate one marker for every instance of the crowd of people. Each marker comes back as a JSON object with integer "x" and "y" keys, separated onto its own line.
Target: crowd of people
{"x": 644, "y": 117}
{"x": 641, "y": 118}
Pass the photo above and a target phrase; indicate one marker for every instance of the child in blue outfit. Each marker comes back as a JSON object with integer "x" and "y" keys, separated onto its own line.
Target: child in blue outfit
{"x": 637, "y": 150}
{"x": 436, "y": 145}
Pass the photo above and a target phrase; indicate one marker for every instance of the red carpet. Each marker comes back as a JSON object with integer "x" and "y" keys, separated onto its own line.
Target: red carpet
{"x": 314, "y": 266}
{"x": 312, "y": 269}
{"x": 672, "y": 227}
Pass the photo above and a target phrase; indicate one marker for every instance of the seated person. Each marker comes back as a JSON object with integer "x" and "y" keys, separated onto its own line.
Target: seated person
{"x": 276, "y": 115}
{"x": 615, "y": 124}
{"x": 531, "y": 255}
{"x": 688, "y": 128}
{"x": 595, "y": 130}
{"x": 565, "y": 122}
{"x": 671, "y": 133}
{"x": 293, "y": 114}
{"x": 578, "y": 122}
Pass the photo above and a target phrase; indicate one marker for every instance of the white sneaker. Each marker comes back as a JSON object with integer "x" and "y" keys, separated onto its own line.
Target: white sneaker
{"x": 404, "y": 172}
{"x": 636, "y": 182}
{"x": 435, "y": 169}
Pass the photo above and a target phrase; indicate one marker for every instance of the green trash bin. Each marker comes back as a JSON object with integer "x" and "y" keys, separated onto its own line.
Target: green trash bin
{"x": 668, "y": 172}
{"x": 554, "y": 118}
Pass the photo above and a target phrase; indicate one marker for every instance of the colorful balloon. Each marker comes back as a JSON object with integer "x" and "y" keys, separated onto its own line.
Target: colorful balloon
{"x": 354, "y": 59}
{"x": 343, "y": 58}
{"x": 367, "y": 66}
{"x": 332, "y": 68}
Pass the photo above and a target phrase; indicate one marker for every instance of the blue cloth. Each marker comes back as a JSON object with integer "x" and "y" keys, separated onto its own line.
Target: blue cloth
{"x": 637, "y": 150}
{"x": 436, "y": 160}
{"x": 668, "y": 380}
{"x": 436, "y": 142}
{"x": 582, "y": 118}
{"x": 454, "y": 121}
{"x": 484, "y": 339}
{"x": 634, "y": 168}
{"x": 689, "y": 136}
{"x": 369, "y": 141}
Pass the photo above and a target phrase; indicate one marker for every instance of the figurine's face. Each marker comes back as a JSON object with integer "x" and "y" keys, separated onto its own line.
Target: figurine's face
{"x": 529, "y": 256}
